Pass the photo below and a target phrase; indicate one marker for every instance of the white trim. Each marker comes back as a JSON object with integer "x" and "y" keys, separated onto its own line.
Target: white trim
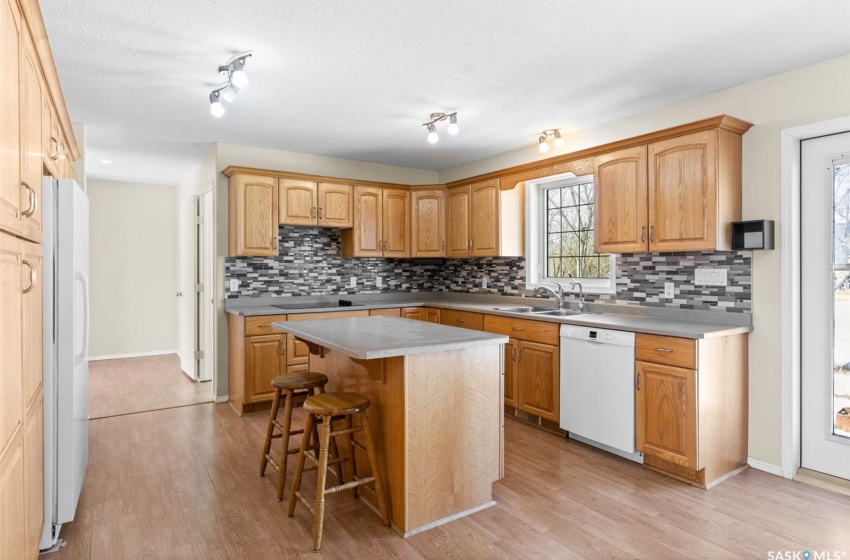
{"x": 223, "y": 398}
{"x": 768, "y": 468}
{"x": 790, "y": 289}
{"x": 131, "y": 355}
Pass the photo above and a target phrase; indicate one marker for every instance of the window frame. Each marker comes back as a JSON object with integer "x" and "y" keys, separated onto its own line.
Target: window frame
{"x": 537, "y": 248}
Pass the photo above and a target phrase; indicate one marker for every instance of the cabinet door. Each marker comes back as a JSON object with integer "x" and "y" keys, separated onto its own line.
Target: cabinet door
{"x": 538, "y": 380}
{"x": 34, "y": 475}
{"x": 11, "y": 338}
{"x": 431, "y": 314}
{"x": 458, "y": 215}
{"x": 31, "y": 156}
{"x": 683, "y": 193}
{"x": 297, "y": 353}
{"x": 254, "y": 215}
{"x": 335, "y": 205}
{"x": 368, "y": 222}
{"x": 12, "y": 519}
{"x": 11, "y": 191}
{"x": 485, "y": 219}
{"x": 396, "y": 208}
{"x": 509, "y": 368}
{"x": 412, "y": 313}
{"x": 619, "y": 196}
{"x": 265, "y": 359}
{"x": 298, "y": 202}
{"x": 33, "y": 336}
{"x": 666, "y": 413}
{"x": 428, "y": 223}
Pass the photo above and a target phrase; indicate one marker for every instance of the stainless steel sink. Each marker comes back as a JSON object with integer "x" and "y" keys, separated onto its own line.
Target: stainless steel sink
{"x": 524, "y": 309}
{"x": 559, "y": 312}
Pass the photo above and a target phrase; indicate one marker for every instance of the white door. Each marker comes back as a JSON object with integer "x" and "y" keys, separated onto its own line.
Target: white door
{"x": 825, "y": 277}
{"x": 206, "y": 308}
{"x": 188, "y": 279}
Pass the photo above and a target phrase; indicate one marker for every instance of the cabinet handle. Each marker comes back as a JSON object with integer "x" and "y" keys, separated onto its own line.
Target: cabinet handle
{"x": 314, "y": 211}
{"x": 33, "y": 276}
{"x": 637, "y": 381}
{"x": 513, "y": 353}
{"x": 442, "y": 245}
{"x": 519, "y": 355}
{"x": 517, "y": 328}
{"x": 320, "y": 212}
{"x": 264, "y": 326}
{"x": 33, "y": 200}
{"x": 650, "y": 233}
{"x": 54, "y": 157}
{"x": 663, "y": 350}
{"x": 642, "y": 234}
{"x": 461, "y": 320}
{"x": 283, "y": 348}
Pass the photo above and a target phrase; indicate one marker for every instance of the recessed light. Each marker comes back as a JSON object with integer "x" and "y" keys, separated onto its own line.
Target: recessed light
{"x": 106, "y": 161}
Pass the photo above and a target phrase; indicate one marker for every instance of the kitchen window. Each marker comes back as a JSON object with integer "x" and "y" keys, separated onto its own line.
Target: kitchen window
{"x": 565, "y": 246}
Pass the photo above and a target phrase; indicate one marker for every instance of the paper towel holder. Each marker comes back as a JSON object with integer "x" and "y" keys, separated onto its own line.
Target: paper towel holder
{"x": 752, "y": 234}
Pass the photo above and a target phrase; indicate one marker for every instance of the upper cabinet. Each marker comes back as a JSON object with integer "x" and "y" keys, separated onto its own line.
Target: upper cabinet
{"x": 253, "y": 224}
{"x": 298, "y": 202}
{"x": 485, "y": 220}
{"x": 11, "y": 195}
{"x": 31, "y": 144}
{"x": 335, "y": 205}
{"x": 381, "y": 224}
{"x": 679, "y": 193}
{"x": 428, "y": 222}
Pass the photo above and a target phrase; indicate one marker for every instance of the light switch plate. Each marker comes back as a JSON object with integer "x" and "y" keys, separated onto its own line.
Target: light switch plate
{"x": 711, "y": 277}
{"x": 234, "y": 284}
{"x": 353, "y": 282}
{"x": 669, "y": 290}
{"x": 484, "y": 282}
{"x": 379, "y": 281}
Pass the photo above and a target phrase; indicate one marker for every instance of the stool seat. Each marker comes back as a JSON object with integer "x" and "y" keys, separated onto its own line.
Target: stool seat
{"x": 336, "y": 404}
{"x": 301, "y": 380}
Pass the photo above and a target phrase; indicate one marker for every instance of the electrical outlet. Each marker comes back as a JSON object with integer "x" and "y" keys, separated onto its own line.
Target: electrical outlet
{"x": 234, "y": 284}
{"x": 379, "y": 281}
{"x": 668, "y": 290}
{"x": 353, "y": 282}
{"x": 484, "y": 282}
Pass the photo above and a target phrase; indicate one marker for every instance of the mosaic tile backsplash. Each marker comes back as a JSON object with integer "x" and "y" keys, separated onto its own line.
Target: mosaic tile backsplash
{"x": 310, "y": 264}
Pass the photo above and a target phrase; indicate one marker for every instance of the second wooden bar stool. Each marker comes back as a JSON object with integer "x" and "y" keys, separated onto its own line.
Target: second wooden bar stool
{"x": 297, "y": 387}
{"x": 324, "y": 408}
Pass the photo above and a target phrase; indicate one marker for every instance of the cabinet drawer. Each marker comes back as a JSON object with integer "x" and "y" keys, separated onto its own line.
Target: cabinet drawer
{"x": 262, "y": 324}
{"x": 395, "y": 312}
{"x": 672, "y": 351}
{"x": 297, "y": 352}
{"x": 463, "y": 319}
{"x": 523, "y": 329}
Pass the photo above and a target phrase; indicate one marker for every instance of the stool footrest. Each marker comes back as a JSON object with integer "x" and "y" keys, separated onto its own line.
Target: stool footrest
{"x": 306, "y": 503}
{"x": 315, "y": 462}
{"x": 346, "y": 431}
{"x": 358, "y": 445}
{"x": 349, "y": 485}
{"x": 272, "y": 462}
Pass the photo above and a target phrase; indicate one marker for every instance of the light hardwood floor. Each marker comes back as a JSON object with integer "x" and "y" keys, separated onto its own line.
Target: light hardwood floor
{"x": 182, "y": 484}
{"x": 131, "y": 385}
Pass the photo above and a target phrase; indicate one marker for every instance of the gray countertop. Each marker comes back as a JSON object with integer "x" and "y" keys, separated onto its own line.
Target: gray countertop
{"x": 685, "y": 327}
{"x": 370, "y": 338}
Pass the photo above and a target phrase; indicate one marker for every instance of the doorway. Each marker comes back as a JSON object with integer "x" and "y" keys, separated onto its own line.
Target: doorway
{"x": 825, "y": 304}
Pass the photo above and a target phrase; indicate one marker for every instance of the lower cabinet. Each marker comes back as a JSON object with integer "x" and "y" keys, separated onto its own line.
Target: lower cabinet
{"x": 538, "y": 379}
{"x": 509, "y": 371}
{"x": 265, "y": 357}
{"x": 297, "y": 355}
{"x": 12, "y": 519}
{"x": 430, "y": 314}
{"x": 34, "y": 475}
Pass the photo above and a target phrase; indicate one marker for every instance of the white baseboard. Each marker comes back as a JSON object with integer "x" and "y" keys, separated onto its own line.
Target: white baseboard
{"x": 768, "y": 468}
{"x": 223, "y": 398}
{"x": 131, "y": 355}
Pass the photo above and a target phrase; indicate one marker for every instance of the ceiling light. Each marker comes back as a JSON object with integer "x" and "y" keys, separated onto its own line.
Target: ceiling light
{"x": 543, "y": 142}
{"x": 453, "y": 128}
{"x": 433, "y": 137}
{"x": 216, "y": 107}
{"x": 238, "y": 77}
{"x": 106, "y": 161}
{"x": 229, "y": 93}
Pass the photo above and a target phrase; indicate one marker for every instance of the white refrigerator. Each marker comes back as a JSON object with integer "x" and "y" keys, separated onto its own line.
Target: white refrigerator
{"x": 66, "y": 337}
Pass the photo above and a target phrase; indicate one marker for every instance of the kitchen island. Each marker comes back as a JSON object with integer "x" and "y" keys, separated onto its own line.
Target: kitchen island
{"x": 436, "y": 413}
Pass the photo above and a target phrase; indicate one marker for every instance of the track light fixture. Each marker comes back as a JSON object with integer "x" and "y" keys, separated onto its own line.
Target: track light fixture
{"x": 543, "y": 141}
{"x": 237, "y": 79}
{"x": 453, "y": 128}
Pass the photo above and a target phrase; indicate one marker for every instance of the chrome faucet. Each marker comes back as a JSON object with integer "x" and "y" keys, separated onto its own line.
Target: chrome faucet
{"x": 580, "y": 294}
{"x": 559, "y": 295}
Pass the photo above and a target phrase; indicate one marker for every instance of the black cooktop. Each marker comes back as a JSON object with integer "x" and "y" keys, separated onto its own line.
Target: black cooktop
{"x": 319, "y": 305}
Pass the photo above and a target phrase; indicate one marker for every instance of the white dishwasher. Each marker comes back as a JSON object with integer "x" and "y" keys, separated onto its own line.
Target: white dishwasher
{"x": 598, "y": 388}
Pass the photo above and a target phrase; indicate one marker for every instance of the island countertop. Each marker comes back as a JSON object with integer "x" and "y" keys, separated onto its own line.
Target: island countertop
{"x": 372, "y": 338}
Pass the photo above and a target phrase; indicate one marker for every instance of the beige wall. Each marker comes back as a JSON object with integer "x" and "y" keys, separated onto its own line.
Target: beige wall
{"x": 808, "y": 95}
{"x": 133, "y": 268}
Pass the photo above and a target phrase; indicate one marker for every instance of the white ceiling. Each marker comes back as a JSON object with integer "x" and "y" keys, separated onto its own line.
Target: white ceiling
{"x": 356, "y": 79}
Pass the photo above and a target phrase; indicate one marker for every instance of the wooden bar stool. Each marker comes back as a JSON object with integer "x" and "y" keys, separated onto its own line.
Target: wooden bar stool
{"x": 324, "y": 407}
{"x": 297, "y": 387}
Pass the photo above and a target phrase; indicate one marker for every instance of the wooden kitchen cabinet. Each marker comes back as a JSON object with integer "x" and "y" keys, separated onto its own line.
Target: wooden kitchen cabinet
{"x": 34, "y": 475}
{"x": 394, "y": 312}
{"x": 463, "y": 319}
{"x": 538, "y": 379}
{"x": 31, "y": 131}
{"x": 32, "y": 321}
{"x": 297, "y": 355}
{"x": 253, "y": 216}
{"x": 691, "y": 406}
{"x": 11, "y": 337}
{"x": 265, "y": 357}
{"x": 12, "y": 516}
{"x": 485, "y": 220}
{"x": 381, "y": 224}
{"x": 510, "y": 372}
{"x": 298, "y": 202}
{"x": 428, "y": 223}
{"x": 429, "y": 314}
{"x": 11, "y": 195}
{"x": 335, "y": 203}
{"x": 679, "y": 193}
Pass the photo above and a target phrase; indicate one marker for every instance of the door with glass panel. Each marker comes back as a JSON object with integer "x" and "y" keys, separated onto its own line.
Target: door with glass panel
{"x": 825, "y": 281}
